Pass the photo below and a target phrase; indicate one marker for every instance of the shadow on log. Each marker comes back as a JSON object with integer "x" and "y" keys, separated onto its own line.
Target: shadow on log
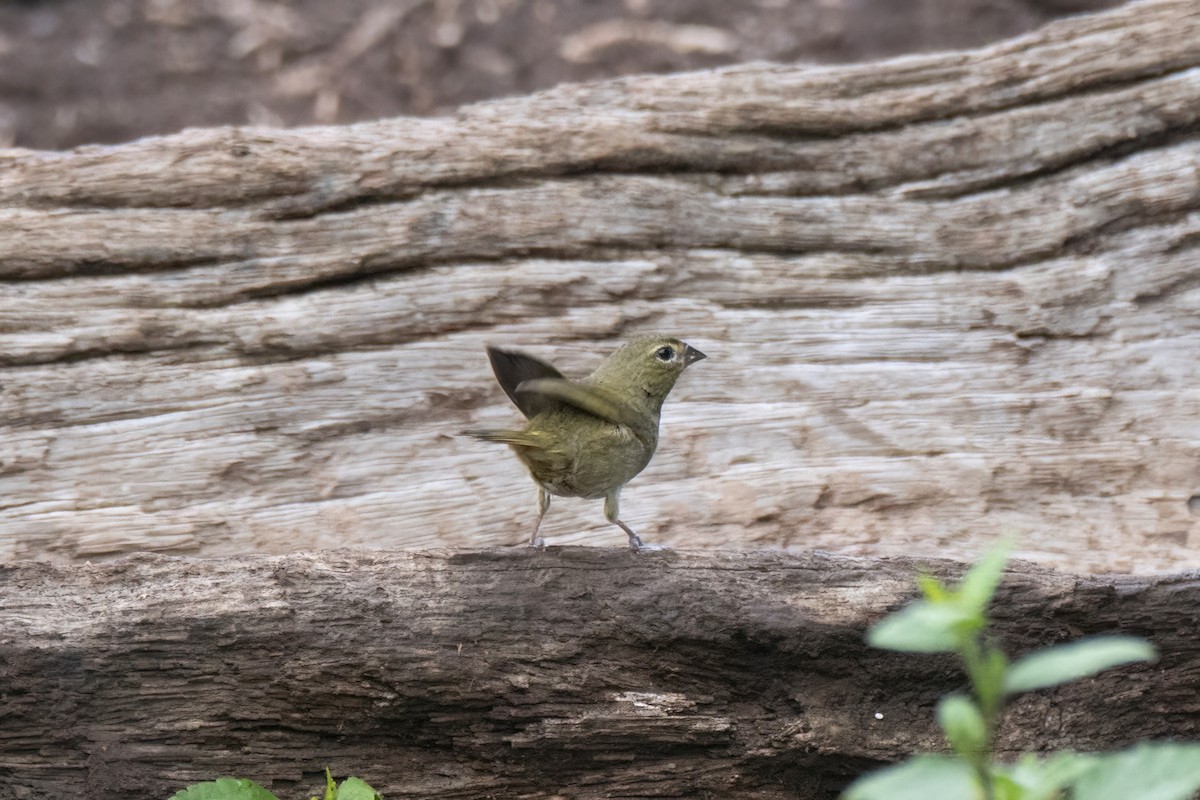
{"x": 943, "y": 297}
{"x": 579, "y": 672}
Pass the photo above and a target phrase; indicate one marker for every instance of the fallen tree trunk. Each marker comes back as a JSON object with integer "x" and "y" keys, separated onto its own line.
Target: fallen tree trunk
{"x": 943, "y": 296}
{"x": 578, "y": 672}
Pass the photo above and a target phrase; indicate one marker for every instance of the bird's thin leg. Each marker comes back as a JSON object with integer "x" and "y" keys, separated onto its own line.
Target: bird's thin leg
{"x": 543, "y": 503}
{"x": 612, "y": 510}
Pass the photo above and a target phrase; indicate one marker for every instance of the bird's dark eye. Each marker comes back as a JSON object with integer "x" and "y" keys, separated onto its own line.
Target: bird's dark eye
{"x": 664, "y": 354}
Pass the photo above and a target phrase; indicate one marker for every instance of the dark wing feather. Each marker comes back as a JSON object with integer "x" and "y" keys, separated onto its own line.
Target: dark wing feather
{"x": 512, "y": 369}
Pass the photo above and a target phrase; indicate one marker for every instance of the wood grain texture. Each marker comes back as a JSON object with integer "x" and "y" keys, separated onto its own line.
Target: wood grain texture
{"x": 943, "y": 296}
{"x": 580, "y": 672}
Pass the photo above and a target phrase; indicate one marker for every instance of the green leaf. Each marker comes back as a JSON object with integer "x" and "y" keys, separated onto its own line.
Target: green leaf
{"x": 919, "y": 778}
{"x": 922, "y": 627}
{"x": 224, "y": 789}
{"x": 356, "y": 789}
{"x": 1062, "y": 663}
{"x": 1046, "y": 779}
{"x": 1005, "y": 788}
{"x": 979, "y": 584}
{"x": 963, "y": 724}
{"x": 933, "y": 590}
{"x": 1147, "y": 771}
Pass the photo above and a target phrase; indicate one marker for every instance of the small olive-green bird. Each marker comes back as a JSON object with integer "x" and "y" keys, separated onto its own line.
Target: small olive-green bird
{"x": 588, "y": 438}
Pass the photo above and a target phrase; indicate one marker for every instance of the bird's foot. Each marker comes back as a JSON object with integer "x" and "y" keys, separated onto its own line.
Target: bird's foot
{"x": 537, "y": 541}
{"x": 635, "y": 543}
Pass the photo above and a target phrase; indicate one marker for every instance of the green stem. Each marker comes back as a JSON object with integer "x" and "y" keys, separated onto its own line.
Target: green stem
{"x": 975, "y": 656}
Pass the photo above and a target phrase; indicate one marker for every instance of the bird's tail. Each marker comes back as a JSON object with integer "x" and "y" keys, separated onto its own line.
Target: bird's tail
{"x": 522, "y": 438}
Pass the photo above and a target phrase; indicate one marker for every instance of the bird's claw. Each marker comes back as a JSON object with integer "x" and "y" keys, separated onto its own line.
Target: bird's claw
{"x": 537, "y": 542}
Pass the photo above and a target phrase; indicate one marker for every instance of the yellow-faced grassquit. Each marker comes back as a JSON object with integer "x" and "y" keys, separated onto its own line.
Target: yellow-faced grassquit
{"x": 588, "y": 438}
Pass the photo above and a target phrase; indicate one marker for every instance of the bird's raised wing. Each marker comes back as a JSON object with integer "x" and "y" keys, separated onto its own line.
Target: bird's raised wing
{"x": 512, "y": 369}
{"x": 594, "y": 401}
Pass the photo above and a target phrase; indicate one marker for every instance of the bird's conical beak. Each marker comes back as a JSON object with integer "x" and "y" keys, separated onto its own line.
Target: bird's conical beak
{"x": 691, "y": 355}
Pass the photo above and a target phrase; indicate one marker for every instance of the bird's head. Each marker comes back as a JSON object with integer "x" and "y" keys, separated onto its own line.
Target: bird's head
{"x": 646, "y": 365}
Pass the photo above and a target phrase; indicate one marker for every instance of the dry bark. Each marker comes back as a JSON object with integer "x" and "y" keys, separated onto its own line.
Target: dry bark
{"x": 943, "y": 296}
{"x": 567, "y": 672}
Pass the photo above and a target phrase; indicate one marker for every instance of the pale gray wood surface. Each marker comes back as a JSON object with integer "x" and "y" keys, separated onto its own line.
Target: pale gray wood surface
{"x": 943, "y": 297}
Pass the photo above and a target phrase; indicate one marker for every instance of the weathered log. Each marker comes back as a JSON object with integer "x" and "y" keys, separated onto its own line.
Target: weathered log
{"x": 575, "y": 672}
{"x": 943, "y": 296}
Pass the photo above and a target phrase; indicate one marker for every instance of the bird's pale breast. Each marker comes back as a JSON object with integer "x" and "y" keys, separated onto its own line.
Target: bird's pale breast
{"x": 584, "y": 456}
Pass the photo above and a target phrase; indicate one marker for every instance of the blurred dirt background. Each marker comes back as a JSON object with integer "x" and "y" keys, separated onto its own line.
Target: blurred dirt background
{"x": 77, "y": 72}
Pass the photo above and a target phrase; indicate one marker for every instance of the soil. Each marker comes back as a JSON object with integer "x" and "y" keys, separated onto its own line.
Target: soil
{"x": 76, "y": 72}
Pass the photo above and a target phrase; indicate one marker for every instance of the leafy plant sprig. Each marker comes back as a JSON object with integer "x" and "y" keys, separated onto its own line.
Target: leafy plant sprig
{"x": 243, "y": 789}
{"x": 954, "y": 620}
